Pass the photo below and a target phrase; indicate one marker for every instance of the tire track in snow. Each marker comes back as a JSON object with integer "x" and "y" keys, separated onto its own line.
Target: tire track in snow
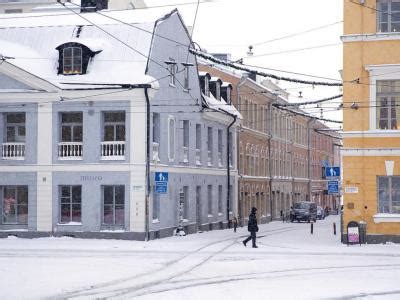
{"x": 172, "y": 269}
{"x": 185, "y": 284}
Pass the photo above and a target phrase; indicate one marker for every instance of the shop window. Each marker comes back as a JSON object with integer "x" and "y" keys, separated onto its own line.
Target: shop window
{"x": 70, "y": 204}
{"x": 15, "y": 205}
{"x": 113, "y": 205}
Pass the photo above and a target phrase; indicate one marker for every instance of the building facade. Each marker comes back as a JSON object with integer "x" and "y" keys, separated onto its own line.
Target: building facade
{"x": 280, "y": 152}
{"x": 90, "y": 127}
{"x": 371, "y": 62}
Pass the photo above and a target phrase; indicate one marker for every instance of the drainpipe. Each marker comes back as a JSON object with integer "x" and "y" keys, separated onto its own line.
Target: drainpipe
{"x": 241, "y": 82}
{"x": 228, "y": 169}
{"x": 147, "y": 231}
{"x": 309, "y": 150}
{"x": 270, "y": 105}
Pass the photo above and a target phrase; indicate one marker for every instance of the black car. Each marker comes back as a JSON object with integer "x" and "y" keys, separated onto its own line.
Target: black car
{"x": 304, "y": 211}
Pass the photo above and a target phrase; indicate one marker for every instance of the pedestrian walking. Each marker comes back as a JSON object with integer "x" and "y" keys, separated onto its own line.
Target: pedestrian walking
{"x": 252, "y": 227}
{"x": 235, "y": 223}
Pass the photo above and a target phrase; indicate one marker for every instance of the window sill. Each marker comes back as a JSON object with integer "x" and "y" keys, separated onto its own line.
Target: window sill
{"x": 70, "y": 224}
{"x": 156, "y": 221}
{"x": 210, "y": 216}
{"x": 220, "y": 214}
{"x": 122, "y": 157}
{"x": 71, "y": 158}
{"x": 172, "y": 85}
{"x": 387, "y": 218}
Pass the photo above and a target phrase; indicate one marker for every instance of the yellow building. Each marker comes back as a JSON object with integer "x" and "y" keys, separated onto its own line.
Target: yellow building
{"x": 371, "y": 114}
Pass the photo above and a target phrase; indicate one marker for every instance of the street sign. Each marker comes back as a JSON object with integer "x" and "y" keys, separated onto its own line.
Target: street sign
{"x": 333, "y": 187}
{"x": 161, "y": 176}
{"x": 161, "y": 180}
{"x": 331, "y": 172}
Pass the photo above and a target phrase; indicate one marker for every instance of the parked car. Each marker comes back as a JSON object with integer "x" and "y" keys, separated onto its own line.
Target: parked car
{"x": 304, "y": 211}
{"x": 320, "y": 213}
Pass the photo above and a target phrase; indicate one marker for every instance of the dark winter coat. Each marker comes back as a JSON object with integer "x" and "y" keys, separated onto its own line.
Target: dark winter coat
{"x": 252, "y": 225}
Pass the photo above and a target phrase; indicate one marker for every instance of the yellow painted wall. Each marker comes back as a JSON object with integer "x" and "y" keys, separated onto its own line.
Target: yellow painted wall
{"x": 362, "y": 172}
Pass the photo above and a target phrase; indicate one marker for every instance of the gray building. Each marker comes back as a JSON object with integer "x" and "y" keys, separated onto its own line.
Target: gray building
{"x": 105, "y": 131}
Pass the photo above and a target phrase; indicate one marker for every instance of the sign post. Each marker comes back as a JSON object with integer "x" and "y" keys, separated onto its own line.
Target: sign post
{"x": 161, "y": 180}
{"x": 333, "y": 187}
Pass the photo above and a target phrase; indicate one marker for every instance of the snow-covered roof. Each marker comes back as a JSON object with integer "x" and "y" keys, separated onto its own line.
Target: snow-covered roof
{"x": 33, "y": 48}
{"x": 221, "y": 105}
{"x": 202, "y": 74}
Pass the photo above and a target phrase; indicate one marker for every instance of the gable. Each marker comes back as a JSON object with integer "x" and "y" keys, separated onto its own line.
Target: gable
{"x": 8, "y": 83}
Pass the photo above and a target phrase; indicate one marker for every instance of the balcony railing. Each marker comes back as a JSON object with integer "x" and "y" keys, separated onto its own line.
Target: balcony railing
{"x": 14, "y": 151}
{"x": 156, "y": 151}
{"x": 70, "y": 150}
{"x": 114, "y": 150}
{"x": 198, "y": 157}
{"x": 185, "y": 158}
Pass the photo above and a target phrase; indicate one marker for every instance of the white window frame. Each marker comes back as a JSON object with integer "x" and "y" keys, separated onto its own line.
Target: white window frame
{"x": 171, "y": 152}
{"x": 173, "y": 69}
{"x": 380, "y": 72}
{"x": 73, "y": 57}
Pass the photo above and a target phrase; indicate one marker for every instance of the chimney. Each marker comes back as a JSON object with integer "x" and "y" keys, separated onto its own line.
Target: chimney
{"x": 93, "y": 5}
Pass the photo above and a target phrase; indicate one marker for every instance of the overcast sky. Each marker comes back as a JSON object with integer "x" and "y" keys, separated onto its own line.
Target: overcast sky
{"x": 232, "y": 25}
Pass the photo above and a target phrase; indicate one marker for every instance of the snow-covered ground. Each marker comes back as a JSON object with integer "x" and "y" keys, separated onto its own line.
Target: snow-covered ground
{"x": 290, "y": 263}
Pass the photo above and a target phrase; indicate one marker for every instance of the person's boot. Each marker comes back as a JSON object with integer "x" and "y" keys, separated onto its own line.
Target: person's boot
{"x": 255, "y": 246}
{"x": 244, "y": 243}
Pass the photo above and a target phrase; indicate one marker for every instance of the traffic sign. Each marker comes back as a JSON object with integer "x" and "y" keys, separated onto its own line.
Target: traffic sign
{"x": 333, "y": 187}
{"x": 161, "y": 177}
{"x": 331, "y": 172}
{"x": 161, "y": 180}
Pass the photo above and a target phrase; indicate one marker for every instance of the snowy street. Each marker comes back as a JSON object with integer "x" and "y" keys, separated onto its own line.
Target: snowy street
{"x": 290, "y": 263}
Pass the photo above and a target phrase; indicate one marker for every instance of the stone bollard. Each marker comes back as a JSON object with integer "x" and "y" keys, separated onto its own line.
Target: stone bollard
{"x": 334, "y": 228}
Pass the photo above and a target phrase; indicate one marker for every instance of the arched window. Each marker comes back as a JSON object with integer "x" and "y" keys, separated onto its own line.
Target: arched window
{"x": 72, "y": 60}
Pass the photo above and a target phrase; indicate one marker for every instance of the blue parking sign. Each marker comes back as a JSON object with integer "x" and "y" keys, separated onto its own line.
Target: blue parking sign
{"x": 161, "y": 181}
{"x": 333, "y": 187}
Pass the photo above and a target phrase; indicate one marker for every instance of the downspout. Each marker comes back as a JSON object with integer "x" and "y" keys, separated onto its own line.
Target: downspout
{"x": 309, "y": 122}
{"x": 228, "y": 169}
{"x": 147, "y": 232}
{"x": 240, "y": 212}
{"x": 271, "y": 104}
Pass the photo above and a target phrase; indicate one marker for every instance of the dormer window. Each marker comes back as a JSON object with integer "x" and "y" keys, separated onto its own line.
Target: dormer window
{"x": 74, "y": 58}
{"x": 215, "y": 87}
{"x": 226, "y": 90}
{"x": 205, "y": 83}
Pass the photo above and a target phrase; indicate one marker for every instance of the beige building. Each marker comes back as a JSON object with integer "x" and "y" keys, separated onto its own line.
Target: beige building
{"x": 280, "y": 153}
{"x": 371, "y": 154}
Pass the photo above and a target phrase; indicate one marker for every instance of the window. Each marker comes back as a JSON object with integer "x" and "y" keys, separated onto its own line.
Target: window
{"x": 209, "y": 199}
{"x": 388, "y": 12}
{"x": 71, "y": 127}
{"x": 171, "y": 139}
{"x": 186, "y": 202}
{"x": 220, "y": 147}
{"x": 210, "y": 145}
{"x": 15, "y": 126}
{"x": 220, "y": 206}
{"x": 70, "y": 203}
{"x": 114, "y": 126}
{"x": 15, "y": 205}
{"x": 172, "y": 68}
{"x": 72, "y": 60}
{"x": 156, "y": 128}
{"x": 198, "y": 144}
{"x": 186, "y": 78}
{"x": 230, "y": 145}
{"x": 388, "y": 103}
{"x": 185, "y": 141}
{"x": 156, "y": 205}
{"x": 113, "y": 205}
{"x": 389, "y": 194}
